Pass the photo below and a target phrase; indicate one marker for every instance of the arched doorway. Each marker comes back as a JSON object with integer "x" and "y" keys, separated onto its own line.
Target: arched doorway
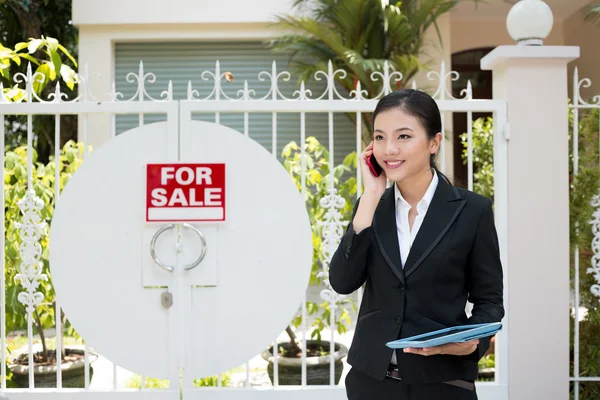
{"x": 466, "y": 63}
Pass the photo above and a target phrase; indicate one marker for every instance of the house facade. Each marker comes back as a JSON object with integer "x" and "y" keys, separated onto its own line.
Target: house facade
{"x": 177, "y": 43}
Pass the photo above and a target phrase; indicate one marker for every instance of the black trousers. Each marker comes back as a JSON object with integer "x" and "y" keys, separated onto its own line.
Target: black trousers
{"x": 360, "y": 386}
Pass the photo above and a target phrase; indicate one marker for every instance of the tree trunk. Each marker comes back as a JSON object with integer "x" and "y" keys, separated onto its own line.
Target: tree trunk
{"x": 40, "y": 329}
{"x": 29, "y": 18}
{"x": 60, "y": 337}
{"x": 294, "y": 342}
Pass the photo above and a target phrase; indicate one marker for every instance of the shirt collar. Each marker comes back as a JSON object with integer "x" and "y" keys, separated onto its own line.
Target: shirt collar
{"x": 424, "y": 203}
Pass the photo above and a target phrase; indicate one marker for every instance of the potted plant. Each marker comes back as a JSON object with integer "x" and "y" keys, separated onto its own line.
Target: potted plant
{"x": 43, "y": 315}
{"x": 317, "y": 181}
{"x": 43, "y": 57}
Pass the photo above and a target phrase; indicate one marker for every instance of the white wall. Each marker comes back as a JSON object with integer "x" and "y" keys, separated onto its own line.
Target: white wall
{"x": 109, "y": 12}
{"x": 96, "y": 48}
{"x": 473, "y": 33}
{"x": 103, "y": 23}
{"x": 585, "y": 35}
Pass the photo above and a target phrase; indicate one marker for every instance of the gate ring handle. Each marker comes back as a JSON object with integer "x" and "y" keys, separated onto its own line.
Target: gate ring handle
{"x": 152, "y": 247}
{"x": 186, "y": 267}
{"x": 199, "y": 259}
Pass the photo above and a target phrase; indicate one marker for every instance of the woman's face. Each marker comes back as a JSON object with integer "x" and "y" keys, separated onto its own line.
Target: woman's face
{"x": 401, "y": 145}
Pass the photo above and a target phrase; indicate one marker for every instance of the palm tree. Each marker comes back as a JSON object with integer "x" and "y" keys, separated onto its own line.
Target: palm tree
{"x": 593, "y": 13}
{"x": 358, "y": 36}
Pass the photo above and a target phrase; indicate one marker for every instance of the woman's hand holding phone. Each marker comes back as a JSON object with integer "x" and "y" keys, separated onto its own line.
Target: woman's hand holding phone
{"x": 374, "y": 186}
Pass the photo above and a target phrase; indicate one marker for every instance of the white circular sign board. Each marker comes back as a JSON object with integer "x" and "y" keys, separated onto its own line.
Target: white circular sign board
{"x": 99, "y": 249}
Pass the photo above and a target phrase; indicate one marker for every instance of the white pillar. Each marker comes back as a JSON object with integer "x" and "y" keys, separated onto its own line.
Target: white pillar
{"x": 96, "y": 50}
{"x": 533, "y": 81}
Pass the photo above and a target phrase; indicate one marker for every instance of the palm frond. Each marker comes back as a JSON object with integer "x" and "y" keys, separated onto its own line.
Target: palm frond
{"x": 408, "y": 65}
{"x": 302, "y": 47}
{"x": 346, "y": 18}
{"x": 359, "y": 36}
{"x": 370, "y": 64}
{"x": 400, "y": 32}
{"x": 593, "y": 13}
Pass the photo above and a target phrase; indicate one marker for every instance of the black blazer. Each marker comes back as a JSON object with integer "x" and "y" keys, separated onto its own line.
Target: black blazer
{"x": 454, "y": 257}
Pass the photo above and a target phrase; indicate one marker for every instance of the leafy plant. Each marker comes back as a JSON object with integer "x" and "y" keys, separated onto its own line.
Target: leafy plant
{"x": 44, "y": 186}
{"x": 45, "y": 56}
{"x": 583, "y": 187}
{"x": 49, "y": 68}
{"x": 486, "y": 366}
{"x": 359, "y": 37}
{"x": 43, "y": 176}
{"x": 317, "y": 183}
{"x": 593, "y": 13}
{"x": 21, "y": 20}
{"x": 489, "y": 361}
{"x": 153, "y": 383}
{"x": 483, "y": 156}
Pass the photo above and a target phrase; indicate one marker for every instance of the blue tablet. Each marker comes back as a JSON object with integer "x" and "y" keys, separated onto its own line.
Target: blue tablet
{"x": 454, "y": 334}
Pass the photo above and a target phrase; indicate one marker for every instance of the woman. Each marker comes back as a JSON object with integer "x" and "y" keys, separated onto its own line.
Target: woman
{"x": 421, "y": 248}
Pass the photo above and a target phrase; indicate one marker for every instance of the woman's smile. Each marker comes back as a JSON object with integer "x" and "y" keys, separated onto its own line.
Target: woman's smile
{"x": 393, "y": 164}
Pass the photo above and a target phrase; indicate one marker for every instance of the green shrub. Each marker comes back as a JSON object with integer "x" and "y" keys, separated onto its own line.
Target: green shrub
{"x": 582, "y": 188}
{"x": 152, "y": 383}
{"x": 317, "y": 183}
{"x": 483, "y": 156}
{"x": 15, "y": 189}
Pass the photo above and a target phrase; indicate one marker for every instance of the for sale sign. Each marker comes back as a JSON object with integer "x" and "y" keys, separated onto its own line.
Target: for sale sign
{"x": 185, "y": 192}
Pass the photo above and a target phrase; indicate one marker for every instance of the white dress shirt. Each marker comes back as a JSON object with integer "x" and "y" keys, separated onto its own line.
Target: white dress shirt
{"x": 406, "y": 236}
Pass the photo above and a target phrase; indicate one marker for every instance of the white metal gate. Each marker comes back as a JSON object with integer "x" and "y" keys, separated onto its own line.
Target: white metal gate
{"x": 178, "y": 114}
{"x": 585, "y": 267}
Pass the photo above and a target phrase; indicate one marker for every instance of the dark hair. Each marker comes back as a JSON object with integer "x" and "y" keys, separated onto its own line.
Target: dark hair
{"x": 419, "y": 105}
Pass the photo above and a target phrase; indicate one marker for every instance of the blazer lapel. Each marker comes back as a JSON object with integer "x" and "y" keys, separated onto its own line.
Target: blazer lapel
{"x": 386, "y": 234}
{"x": 445, "y": 206}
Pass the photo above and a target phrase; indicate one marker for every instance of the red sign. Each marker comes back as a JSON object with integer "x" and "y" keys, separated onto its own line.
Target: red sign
{"x": 185, "y": 192}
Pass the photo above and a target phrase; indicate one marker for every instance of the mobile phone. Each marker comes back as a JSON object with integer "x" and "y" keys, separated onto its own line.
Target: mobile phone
{"x": 374, "y": 166}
